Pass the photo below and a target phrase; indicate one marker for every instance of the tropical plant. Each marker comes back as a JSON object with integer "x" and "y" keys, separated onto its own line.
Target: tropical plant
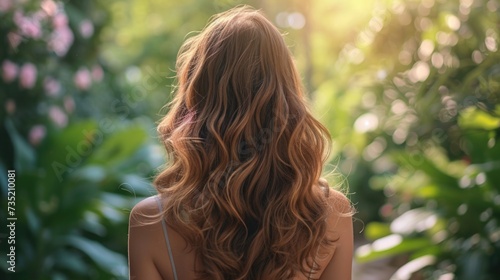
{"x": 445, "y": 212}
{"x": 69, "y": 129}
{"x": 430, "y": 120}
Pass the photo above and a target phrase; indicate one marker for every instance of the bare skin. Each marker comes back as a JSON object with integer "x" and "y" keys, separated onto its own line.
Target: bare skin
{"x": 149, "y": 259}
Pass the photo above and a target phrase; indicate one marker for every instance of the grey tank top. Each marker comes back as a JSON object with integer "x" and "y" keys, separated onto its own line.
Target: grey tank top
{"x": 169, "y": 247}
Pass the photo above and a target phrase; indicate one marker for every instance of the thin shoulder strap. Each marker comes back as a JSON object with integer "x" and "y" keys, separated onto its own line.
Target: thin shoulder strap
{"x": 314, "y": 262}
{"x": 171, "y": 257}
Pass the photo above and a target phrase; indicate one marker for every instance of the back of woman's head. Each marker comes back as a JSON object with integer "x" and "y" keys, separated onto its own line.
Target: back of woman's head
{"x": 245, "y": 154}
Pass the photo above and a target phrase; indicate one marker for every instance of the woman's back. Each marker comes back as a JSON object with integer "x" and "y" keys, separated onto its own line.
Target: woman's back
{"x": 149, "y": 256}
{"x": 245, "y": 155}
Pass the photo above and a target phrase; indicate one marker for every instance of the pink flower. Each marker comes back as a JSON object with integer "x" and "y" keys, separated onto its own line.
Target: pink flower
{"x": 10, "y": 106}
{"x": 60, "y": 20}
{"x": 9, "y": 70}
{"x": 49, "y": 7}
{"x": 40, "y": 15}
{"x": 86, "y": 28}
{"x": 69, "y": 104}
{"x": 386, "y": 210}
{"x": 5, "y": 5}
{"x": 61, "y": 40}
{"x": 58, "y": 116}
{"x": 18, "y": 17}
{"x": 97, "y": 73}
{"x": 36, "y": 134}
{"x": 51, "y": 86}
{"x": 27, "y": 75}
{"x": 14, "y": 39}
{"x": 29, "y": 27}
{"x": 82, "y": 79}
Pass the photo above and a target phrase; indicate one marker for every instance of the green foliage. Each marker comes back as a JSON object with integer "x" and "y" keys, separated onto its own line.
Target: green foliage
{"x": 69, "y": 129}
{"x": 429, "y": 123}
{"x": 71, "y": 202}
{"x": 455, "y": 209}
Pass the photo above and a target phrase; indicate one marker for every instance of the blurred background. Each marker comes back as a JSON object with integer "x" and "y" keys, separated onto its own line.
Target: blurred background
{"x": 408, "y": 89}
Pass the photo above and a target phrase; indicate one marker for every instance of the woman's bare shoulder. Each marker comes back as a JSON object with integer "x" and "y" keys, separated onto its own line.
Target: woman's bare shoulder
{"x": 339, "y": 203}
{"x": 142, "y": 211}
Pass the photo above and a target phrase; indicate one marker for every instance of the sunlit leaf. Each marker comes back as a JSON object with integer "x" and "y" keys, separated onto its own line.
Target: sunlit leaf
{"x": 406, "y": 271}
{"x": 388, "y": 246}
{"x": 477, "y": 119}
{"x": 422, "y": 163}
{"x": 375, "y": 230}
{"x": 414, "y": 220}
{"x": 90, "y": 173}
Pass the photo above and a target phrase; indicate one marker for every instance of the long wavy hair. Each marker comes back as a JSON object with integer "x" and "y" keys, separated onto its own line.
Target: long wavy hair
{"x": 245, "y": 155}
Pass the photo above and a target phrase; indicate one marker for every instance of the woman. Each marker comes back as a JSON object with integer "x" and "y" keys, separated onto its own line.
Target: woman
{"x": 241, "y": 197}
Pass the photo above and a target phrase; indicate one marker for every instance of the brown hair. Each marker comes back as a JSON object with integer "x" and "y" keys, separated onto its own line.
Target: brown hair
{"x": 245, "y": 154}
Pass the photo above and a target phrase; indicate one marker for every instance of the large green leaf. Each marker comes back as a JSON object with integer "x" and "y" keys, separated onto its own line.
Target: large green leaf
{"x": 24, "y": 154}
{"x": 71, "y": 261}
{"x": 388, "y": 246}
{"x": 90, "y": 173}
{"x": 422, "y": 163}
{"x": 66, "y": 151}
{"x": 119, "y": 146}
{"x": 108, "y": 260}
{"x": 71, "y": 206}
